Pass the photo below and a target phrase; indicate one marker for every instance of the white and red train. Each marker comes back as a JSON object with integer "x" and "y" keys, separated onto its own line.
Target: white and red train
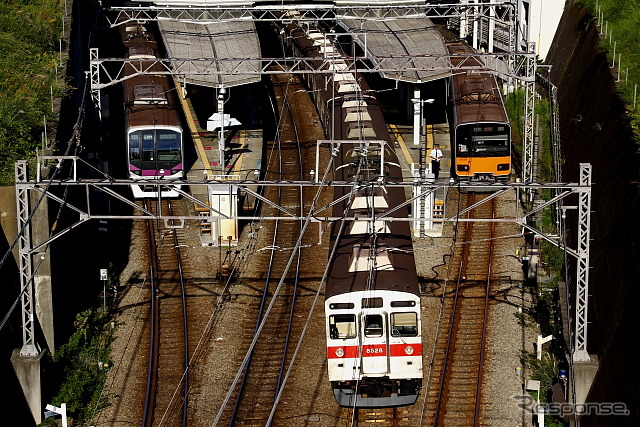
{"x": 372, "y": 297}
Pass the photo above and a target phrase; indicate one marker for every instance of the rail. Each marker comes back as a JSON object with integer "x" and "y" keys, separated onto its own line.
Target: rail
{"x": 164, "y": 267}
{"x": 465, "y": 338}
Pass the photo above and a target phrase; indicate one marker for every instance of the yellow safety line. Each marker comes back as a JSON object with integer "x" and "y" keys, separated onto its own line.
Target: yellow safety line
{"x": 194, "y": 132}
{"x": 429, "y": 136}
{"x": 241, "y": 139}
{"x": 400, "y": 139}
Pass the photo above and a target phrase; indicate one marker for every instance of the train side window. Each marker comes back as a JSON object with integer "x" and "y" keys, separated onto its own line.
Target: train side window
{"x": 373, "y": 325}
{"x": 342, "y": 326}
{"x": 404, "y": 324}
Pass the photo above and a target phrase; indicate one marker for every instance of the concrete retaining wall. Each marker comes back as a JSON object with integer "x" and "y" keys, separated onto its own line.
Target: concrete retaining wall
{"x": 594, "y": 130}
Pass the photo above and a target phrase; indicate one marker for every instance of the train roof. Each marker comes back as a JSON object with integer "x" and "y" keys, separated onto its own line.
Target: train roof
{"x": 149, "y": 100}
{"x": 477, "y": 98}
{"x": 353, "y": 267}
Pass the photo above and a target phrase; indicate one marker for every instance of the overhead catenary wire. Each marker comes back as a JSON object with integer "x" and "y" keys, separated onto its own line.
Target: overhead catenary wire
{"x": 441, "y": 311}
{"x": 307, "y": 221}
{"x": 71, "y": 144}
{"x": 218, "y": 306}
{"x": 317, "y": 296}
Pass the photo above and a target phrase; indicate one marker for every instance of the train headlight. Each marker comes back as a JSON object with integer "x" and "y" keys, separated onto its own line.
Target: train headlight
{"x": 340, "y": 352}
{"x": 503, "y": 167}
{"x": 409, "y": 350}
{"x": 463, "y": 168}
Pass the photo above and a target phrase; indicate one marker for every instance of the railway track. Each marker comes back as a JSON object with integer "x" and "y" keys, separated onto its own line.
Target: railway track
{"x": 383, "y": 417}
{"x": 262, "y": 377}
{"x": 167, "y": 374}
{"x": 454, "y": 394}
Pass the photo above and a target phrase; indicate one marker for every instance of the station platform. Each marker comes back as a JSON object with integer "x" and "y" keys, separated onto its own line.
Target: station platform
{"x": 242, "y": 160}
{"x": 409, "y": 153}
{"x": 414, "y": 156}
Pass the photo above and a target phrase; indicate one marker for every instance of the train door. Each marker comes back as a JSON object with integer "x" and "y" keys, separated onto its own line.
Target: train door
{"x": 374, "y": 344}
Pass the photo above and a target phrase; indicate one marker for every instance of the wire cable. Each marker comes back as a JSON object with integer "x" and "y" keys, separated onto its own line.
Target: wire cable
{"x": 73, "y": 142}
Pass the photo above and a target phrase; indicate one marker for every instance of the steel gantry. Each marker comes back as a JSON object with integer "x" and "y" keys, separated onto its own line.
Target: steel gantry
{"x": 529, "y": 115}
{"x": 580, "y": 353}
{"x": 106, "y": 186}
{"x": 25, "y": 250}
{"x": 110, "y": 71}
{"x": 491, "y": 23}
{"x": 496, "y": 10}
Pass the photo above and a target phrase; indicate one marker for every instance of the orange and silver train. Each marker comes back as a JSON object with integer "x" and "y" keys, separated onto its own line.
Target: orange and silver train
{"x": 480, "y": 130}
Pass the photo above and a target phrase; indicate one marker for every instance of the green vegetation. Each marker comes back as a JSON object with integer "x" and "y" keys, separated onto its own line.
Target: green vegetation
{"x": 620, "y": 20}
{"x": 82, "y": 364}
{"x": 29, "y": 77}
{"x": 514, "y": 104}
{"x": 544, "y": 291}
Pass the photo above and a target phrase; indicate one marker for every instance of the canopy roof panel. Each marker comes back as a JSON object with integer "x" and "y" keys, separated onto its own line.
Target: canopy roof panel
{"x": 219, "y": 40}
{"x": 410, "y": 37}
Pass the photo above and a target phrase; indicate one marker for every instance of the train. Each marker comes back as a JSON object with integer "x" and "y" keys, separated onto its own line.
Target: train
{"x": 372, "y": 296}
{"x": 479, "y": 127}
{"x": 153, "y": 128}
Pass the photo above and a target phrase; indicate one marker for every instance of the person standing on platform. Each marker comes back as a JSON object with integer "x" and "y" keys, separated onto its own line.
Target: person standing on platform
{"x": 436, "y": 155}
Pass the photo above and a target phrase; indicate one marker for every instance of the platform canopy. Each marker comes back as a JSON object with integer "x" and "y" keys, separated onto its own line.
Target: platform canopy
{"x": 400, "y": 37}
{"x": 216, "y": 40}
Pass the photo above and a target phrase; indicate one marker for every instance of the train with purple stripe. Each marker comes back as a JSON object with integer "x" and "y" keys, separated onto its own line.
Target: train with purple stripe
{"x": 153, "y": 129}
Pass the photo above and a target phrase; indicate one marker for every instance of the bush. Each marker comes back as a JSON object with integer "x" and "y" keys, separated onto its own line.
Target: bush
{"x": 83, "y": 363}
{"x": 29, "y": 39}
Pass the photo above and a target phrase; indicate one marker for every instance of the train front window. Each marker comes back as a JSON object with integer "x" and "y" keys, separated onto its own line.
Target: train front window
{"x": 404, "y": 324}
{"x": 134, "y": 147}
{"x": 373, "y": 325}
{"x": 342, "y": 326}
{"x": 168, "y": 146}
{"x": 483, "y": 140}
{"x": 490, "y": 145}
{"x": 148, "y": 146}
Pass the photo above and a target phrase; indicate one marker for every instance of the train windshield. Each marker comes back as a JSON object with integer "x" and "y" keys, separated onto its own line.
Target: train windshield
{"x": 342, "y": 326}
{"x": 168, "y": 145}
{"x": 484, "y": 140}
{"x": 404, "y": 324}
{"x": 373, "y": 325}
{"x": 151, "y": 149}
